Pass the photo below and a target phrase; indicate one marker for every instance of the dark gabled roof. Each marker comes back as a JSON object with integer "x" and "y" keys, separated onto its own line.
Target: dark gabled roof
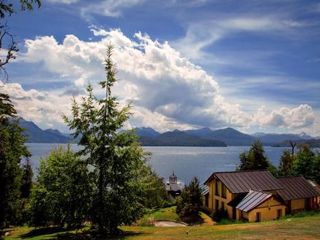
{"x": 296, "y": 188}
{"x": 252, "y": 200}
{"x": 243, "y": 181}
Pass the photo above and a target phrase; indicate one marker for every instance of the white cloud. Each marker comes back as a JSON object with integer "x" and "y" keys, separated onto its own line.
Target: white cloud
{"x": 44, "y": 108}
{"x": 294, "y": 118}
{"x": 167, "y": 90}
{"x": 202, "y": 34}
{"x": 109, "y": 8}
{"x": 63, "y": 1}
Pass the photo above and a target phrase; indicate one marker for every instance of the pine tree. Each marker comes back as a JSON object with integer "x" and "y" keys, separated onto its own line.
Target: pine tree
{"x": 286, "y": 163}
{"x": 255, "y": 158}
{"x": 115, "y": 155}
{"x": 26, "y": 180}
{"x": 12, "y": 150}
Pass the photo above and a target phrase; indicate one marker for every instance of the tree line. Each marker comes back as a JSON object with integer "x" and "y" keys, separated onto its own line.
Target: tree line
{"x": 305, "y": 162}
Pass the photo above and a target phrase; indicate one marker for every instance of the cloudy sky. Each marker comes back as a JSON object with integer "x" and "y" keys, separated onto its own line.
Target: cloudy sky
{"x": 252, "y": 65}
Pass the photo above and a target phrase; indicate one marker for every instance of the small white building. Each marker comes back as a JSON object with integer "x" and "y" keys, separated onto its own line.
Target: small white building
{"x": 173, "y": 186}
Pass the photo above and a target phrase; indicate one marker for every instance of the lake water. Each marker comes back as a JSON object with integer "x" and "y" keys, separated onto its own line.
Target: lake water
{"x": 186, "y": 162}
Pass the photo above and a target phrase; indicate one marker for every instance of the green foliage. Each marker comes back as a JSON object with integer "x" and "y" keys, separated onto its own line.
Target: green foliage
{"x": 190, "y": 202}
{"x": 118, "y": 160}
{"x": 153, "y": 190}
{"x": 62, "y": 196}
{"x": 26, "y": 183}
{"x": 303, "y": 165}
{"x": 12, "y": 150}
{"x": 307, "y": 163}
{"x": 7, "y": 7}
{"x": 219, "y": 215}
{"x": 255, "y": 158}
{"x": 286, "y": 163}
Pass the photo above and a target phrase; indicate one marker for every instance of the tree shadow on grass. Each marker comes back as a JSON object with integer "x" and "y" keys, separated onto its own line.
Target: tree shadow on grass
{"x": 95, "y": 236}
{"x": 42, "y": 231}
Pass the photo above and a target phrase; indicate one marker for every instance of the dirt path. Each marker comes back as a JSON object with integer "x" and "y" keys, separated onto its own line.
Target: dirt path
{"x": 168, "y": 224}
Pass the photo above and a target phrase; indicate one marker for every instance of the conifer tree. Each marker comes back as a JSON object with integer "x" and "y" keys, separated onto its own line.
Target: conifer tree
{"x": 12, "y": 150}
{"x": 115, "y": 155}
{"x": 255, "y": 158}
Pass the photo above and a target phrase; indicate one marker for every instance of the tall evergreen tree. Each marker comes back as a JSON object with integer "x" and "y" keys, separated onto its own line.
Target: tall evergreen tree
{"x": 190, "y": 201}
{"x": 255, "y": 158}
{"x": 304, "y": 162}
{"x": 12, "y": 150}
{"x": 286, "y": 163}
{"x": 27, "y": 175}
{"x": 115, "y": 155}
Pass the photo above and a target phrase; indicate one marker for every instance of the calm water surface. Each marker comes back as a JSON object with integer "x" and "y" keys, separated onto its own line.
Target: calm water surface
{"x": 186, "y": 162}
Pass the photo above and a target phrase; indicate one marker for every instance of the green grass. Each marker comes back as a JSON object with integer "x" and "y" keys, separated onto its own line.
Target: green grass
{"x": 303, "y": 228}
{"x": 163, "y": 214}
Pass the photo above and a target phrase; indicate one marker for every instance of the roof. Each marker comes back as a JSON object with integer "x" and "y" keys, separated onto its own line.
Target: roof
{"x": 243, "y": 181}
{"x": 296, "y": 188}
{"x": 252, "y": 200}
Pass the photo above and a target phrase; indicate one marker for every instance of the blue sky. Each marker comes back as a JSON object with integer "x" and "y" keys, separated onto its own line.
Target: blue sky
{"x": 252, "y": 65}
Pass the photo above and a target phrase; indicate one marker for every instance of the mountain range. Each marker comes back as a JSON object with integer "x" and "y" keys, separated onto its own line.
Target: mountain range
{"x": 195, "y": 137}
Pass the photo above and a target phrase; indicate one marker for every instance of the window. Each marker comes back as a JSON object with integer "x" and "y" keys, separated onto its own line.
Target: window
{"x": 217, "y": 188}
{"x": 222, "y": 205}
{"x": 217, "y": 204}
{"x": 224, "y": 191}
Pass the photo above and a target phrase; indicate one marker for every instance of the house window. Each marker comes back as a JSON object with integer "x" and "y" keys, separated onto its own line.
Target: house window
{"x": 217, "y": 204}
{"x": 279, "y": 213}
{"x": 217, "y": 188}
{"x": 222, "y": 205}
{"x": 224, "y": 191}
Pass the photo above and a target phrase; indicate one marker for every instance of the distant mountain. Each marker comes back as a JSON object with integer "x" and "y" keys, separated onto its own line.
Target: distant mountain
{"x": 194, "y": 137}
{"x": 271, "y": 139}
{"x": 146, "y": 132}
{"x": 230, "y": 136}
{"x": 314, "y": 143}
{"x": 37, "y": 135}
{"x": 179, "y": 138}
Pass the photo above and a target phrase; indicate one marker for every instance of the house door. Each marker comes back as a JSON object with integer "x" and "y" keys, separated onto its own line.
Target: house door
{"x": 279, "y": 213}
{"x": 234, "y": 213}
{"x": 258, "y": 217}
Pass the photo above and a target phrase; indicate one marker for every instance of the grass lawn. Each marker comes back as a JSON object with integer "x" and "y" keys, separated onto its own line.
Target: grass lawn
{"x": 302, "y": 228}
{"x": 167, "y": 214}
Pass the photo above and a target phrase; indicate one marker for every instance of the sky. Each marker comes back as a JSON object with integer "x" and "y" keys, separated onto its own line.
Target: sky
{"x": 252, "y": 65}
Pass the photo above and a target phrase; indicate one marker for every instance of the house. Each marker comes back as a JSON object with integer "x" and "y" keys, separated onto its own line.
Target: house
{"x": 298, "y": 194}
{"x": 257, "y": 195}
{"x": 173, "y": 186}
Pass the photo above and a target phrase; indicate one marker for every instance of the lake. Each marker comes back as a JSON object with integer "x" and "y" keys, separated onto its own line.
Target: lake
{"x": 186, "y": 162}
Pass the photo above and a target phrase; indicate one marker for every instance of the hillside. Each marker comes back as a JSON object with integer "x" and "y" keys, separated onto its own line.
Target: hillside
{"x": 230, "y": 136}
{"x": 179, "y": 138}
{"x": 35, "y": 134}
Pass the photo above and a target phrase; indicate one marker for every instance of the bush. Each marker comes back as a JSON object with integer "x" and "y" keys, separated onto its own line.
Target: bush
{"x": 219, "y": 215}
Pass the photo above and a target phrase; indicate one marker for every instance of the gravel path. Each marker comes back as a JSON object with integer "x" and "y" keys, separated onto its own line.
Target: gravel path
{"x": 168, "y": 224}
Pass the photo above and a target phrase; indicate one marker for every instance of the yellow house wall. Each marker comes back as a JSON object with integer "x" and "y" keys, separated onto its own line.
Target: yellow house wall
{"x": 297, "y": 204}
{"x": 213, "y": 197}
{"x": 268, "y": 211}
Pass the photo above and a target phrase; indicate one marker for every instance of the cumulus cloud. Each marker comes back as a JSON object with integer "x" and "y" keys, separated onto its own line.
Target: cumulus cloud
{"x": 44, "y": 108}
{"x": 167, "y": 90}
{"x": 294, "y": 118}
